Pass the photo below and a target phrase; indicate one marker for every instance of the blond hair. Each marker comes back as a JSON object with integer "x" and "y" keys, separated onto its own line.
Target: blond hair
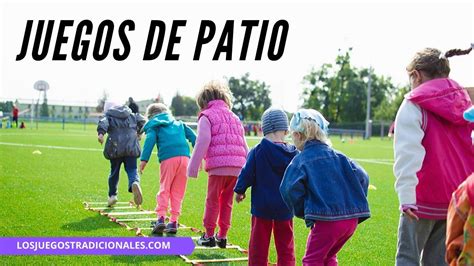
{"x": 214, "y": 90}
{"x": 156, "y": 108}
{"x": 310, "y": 131}
{"x": 433, "y": 63}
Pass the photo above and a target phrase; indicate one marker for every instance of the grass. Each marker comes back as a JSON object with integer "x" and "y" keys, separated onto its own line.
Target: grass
{"x": 42, "y": 195}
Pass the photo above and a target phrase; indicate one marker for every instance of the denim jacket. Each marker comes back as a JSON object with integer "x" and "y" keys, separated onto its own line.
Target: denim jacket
{"x": 321, "y": 184}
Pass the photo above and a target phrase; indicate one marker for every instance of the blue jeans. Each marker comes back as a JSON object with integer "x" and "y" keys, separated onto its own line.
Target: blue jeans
{"x": 131, "y": 169}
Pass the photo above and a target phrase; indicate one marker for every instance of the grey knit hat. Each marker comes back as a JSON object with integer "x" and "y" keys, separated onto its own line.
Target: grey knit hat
{"x": 274, "y": 119}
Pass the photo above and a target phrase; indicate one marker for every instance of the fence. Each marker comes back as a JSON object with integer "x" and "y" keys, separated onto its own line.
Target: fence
{"x": 352, "y": 130}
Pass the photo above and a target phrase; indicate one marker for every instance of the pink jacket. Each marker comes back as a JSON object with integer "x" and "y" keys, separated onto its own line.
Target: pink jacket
{"x": 449, "y": 157}
{"x": 227, "y": 147}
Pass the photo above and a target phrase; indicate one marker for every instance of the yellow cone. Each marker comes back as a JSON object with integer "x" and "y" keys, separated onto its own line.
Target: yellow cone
{"x": 372, "y": 187}
{"x": 37, "y": 152}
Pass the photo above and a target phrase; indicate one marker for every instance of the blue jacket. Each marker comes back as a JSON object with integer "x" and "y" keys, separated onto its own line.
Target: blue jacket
{"x": 169, "y": 135}
{"x": 321, "y": 184}
{"x": 263, "y": 171}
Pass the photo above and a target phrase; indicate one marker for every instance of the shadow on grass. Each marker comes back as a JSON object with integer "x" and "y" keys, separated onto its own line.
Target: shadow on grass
{"x": 89, "y": 224}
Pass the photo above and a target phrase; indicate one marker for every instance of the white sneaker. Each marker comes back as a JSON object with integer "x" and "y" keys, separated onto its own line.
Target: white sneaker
{"x": 137, "y": 193}
{"x": 112, "y": 200}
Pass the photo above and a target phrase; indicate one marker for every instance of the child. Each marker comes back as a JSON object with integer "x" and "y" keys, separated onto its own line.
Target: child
{"x": 170, "y": 138}
{"x": 460, "y": 229}
{"x": 433, "y": 156}
{"x": 221, "y": 143}
{"x": 323, "y": 187}
{"x": 266, "y": 164}
{"x": 122, "y": 127}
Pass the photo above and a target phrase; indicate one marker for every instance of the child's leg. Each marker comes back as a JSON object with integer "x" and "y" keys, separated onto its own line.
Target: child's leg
{"x": 225, "y": 205}
{"x": 178, "y": 188}
{"x": 259, "y": 241}
{"x": 214, "y": 188}
{"x": 412, "y": 238}
{"x": 114, "y": 175}
{"x": 435, "y": 248}
{"x": 324, "y": 241}
{"x": 167, "y": 173}
{"x": 131, "y": 169}
{"x": 284, "y": 242}
{"x": 346, "y": 229}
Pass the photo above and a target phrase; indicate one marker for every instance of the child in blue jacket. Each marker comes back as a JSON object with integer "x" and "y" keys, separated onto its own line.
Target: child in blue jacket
{"x": 263, "y": 171}
{"x": 171, "y": 138}
{"x": 323, "y": 187}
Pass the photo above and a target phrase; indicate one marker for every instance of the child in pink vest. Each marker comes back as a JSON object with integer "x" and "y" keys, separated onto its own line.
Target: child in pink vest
{"x": 433, "y": 156}
{"x": 221, "y": 142}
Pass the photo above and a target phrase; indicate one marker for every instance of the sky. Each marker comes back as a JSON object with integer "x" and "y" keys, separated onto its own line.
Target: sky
{"x": 383, "y": 35}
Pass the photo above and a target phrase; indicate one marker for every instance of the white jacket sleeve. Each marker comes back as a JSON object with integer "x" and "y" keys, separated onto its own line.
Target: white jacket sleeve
{"x": 409, "y": 152}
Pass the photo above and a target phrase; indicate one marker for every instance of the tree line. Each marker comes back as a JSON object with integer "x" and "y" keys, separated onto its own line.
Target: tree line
{"x": 338, "y": 90}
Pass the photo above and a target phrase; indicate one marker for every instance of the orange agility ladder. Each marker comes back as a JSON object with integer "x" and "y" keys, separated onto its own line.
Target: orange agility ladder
{"x": 133, "y": 218}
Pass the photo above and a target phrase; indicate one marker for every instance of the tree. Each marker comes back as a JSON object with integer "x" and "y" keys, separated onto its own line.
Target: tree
{"x": 251, "y": 97}
{"x": 44, "y": 112}
{"x": 52, "y": 111}
{"x": 183, "y": 105}
{"x": 70, "y": 112}
{"x": 389, "y": 107}
{"x": 101, "y": 102}
{"x": 6, "y": 107}
{"x": 190, "y": 106}
{"x": 340, "y": 91}
{"x": 86, "y": 112}
{"x": 177, "y": 105}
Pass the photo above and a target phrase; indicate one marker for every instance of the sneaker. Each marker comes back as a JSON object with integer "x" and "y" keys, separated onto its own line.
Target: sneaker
{"x": 206, "y": 241}
{"x": 171, "y": 228}
{"x": 137, "y": 193}
{"x": 159, "y": 226}
{"x": 221, "y": 242}
{"x": 112, "y": 200}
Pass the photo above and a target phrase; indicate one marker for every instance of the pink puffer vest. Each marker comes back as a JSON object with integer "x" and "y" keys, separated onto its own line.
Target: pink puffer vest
{"x": 449, "y": 157}
{"x": 227, "y": 147}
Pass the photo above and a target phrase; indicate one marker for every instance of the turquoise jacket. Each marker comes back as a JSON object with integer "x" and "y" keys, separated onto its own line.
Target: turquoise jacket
{"x": 169, "y": 135}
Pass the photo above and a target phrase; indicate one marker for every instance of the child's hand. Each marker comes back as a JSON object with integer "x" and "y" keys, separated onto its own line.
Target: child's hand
{"x": 239, "y": 197}
{"x": 142, "y": 166}
{"x": 100, "y": 138}
{"x": 411, "y": 214}
{"x": 408, "y": 209}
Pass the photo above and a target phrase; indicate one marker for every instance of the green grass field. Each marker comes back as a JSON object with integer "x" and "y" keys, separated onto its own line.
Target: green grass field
{"x": 42, "y": 195}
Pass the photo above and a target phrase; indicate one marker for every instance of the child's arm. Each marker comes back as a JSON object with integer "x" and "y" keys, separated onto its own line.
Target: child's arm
{"x": 362, "y": 175}
{"x": 102, "y": 128}
{"x": 408, "y": 152}
{"x": 140, "y": 123}
{"x": 203, "y": 141}
{"x": 292, "y": 189}
{"x": 246, "y": 178}
{"x": 190, "y": 135}
{"x": 148, "y": 146}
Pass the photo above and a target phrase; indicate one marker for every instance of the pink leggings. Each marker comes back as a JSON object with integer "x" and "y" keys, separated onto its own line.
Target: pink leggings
{"x": 325, "y": 240}
{"x": 220, "y": 191}
{"x": 173, "y": 182}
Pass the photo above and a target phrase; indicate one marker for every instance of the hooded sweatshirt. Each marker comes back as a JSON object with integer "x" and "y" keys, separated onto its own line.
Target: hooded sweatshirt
{"x": 170, "y": 136}
{"x": 122, "y": 127}
{"x": 433, "y": 152}
{"x": 263, "y": 171}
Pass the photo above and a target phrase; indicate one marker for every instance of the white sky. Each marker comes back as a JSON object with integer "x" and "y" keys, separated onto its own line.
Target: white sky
{"x": 384, "y": 35}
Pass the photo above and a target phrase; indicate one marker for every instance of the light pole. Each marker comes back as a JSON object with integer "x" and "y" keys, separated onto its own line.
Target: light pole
{"x": 367, "y": 118}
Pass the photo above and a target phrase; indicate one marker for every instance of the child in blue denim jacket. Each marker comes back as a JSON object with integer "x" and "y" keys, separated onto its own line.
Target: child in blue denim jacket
{"x": 323, "y": 187}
